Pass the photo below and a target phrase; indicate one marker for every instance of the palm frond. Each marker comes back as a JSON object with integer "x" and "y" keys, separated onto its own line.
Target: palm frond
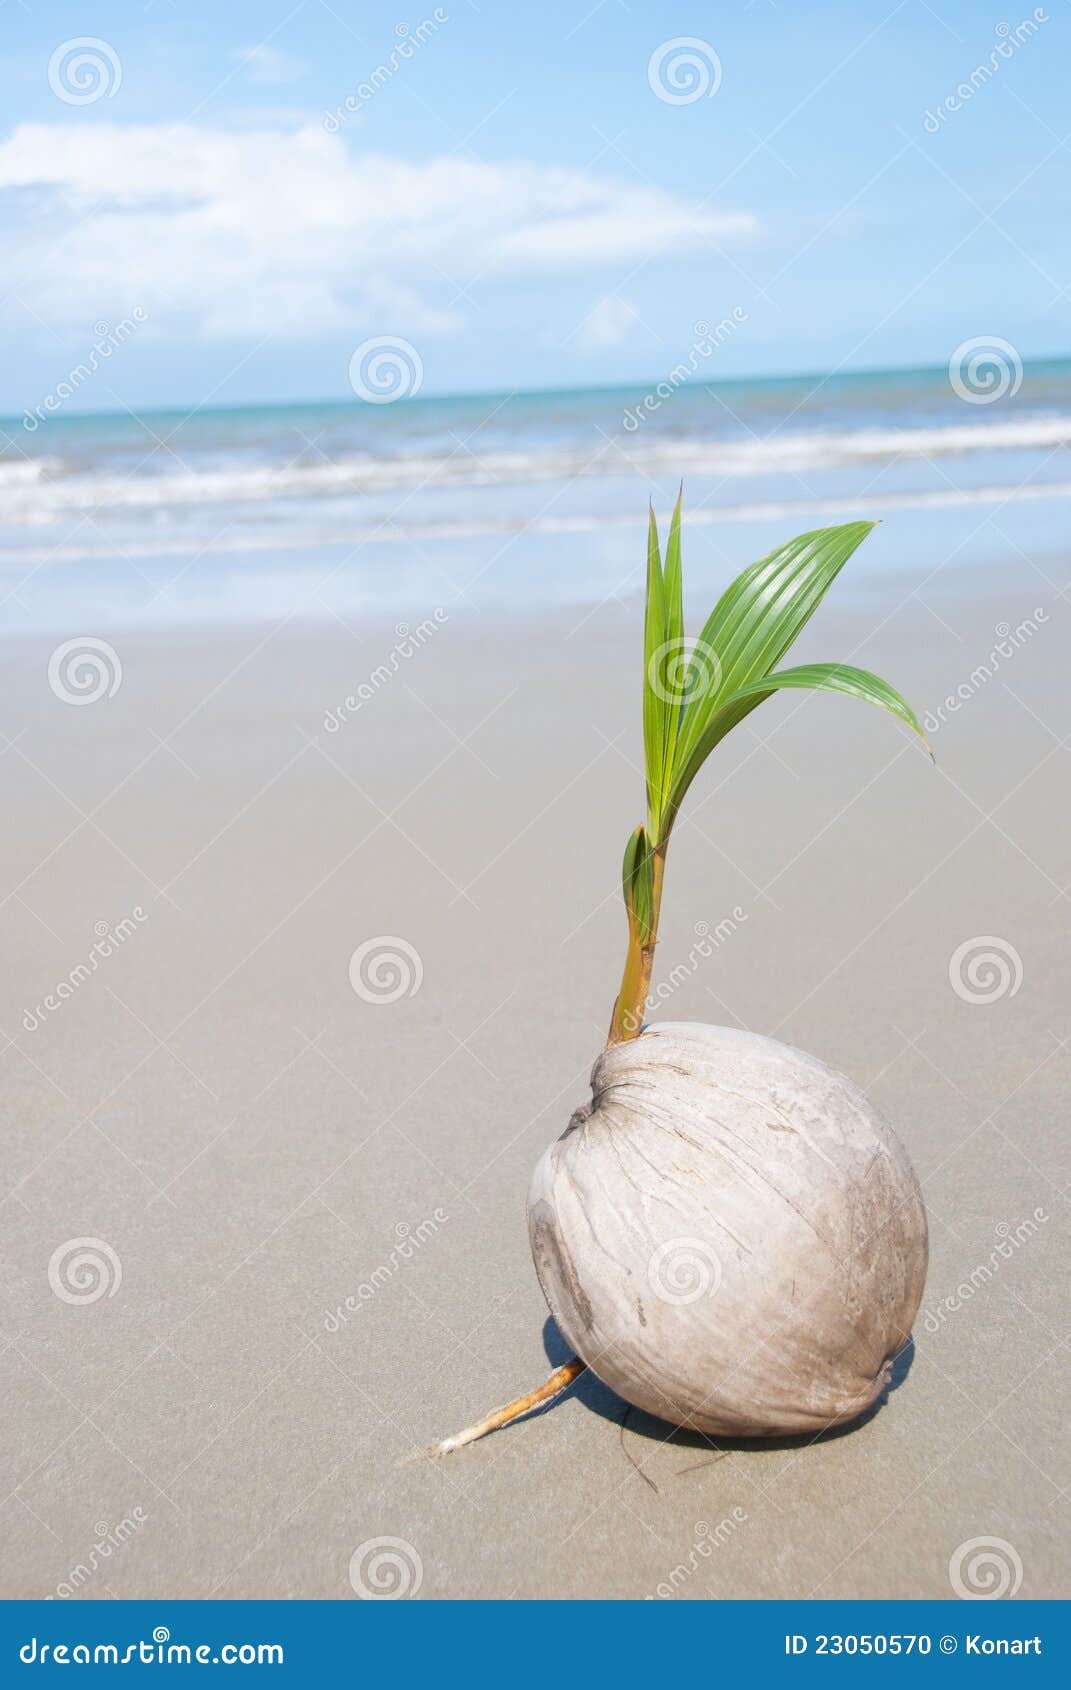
{"x": 654, "y": 705}
{"x": 840, "y": 677}
{"x": 689, "y": 707}
{"x": 759, "y": 616}
{"x": 692, "y": 700}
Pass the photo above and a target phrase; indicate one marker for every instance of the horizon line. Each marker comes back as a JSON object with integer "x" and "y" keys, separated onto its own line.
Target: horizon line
{"x": 508, "y": 392}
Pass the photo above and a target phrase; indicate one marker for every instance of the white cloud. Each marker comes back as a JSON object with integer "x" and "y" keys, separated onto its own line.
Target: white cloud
{"x": 244, "y": 232}
{"x": 607, "y": 324}
{"x": 266, "y": 64}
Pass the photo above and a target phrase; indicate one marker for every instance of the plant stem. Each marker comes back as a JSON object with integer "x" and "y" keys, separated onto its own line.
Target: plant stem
{"x": 627, "y": 1019}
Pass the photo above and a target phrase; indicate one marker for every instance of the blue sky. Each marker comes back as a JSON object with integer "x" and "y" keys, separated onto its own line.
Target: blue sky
{"x": 517, "y": 201}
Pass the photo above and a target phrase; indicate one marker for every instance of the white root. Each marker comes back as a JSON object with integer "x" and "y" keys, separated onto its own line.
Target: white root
{"x": 559, "y": 1381}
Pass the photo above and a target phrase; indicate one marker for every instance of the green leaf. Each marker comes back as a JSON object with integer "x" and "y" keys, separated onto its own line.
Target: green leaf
{"x": 654, "y": 705}
{"x": 815, "y": 677}
{"x": 838, "y": 677}
{"x": 672, "y": 577}
{"x": 637, "y": 882}
{"x": 688, "y": 710}
{"x": 673, "y": 666}
{"x": 751, "y": 627}
{"x": 665, "y": 663}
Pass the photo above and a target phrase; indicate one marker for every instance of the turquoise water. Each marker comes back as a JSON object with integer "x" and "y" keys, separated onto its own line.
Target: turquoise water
{"x": 517, "y": 499}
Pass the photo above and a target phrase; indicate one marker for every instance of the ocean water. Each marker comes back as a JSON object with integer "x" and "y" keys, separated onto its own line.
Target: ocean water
{"x": 509, "y": 501}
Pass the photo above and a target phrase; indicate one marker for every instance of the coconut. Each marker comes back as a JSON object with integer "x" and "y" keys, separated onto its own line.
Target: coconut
{"x": 730, "y": 1235}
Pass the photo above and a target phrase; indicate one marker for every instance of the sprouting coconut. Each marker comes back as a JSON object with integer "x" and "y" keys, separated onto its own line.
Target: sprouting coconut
{"x": 729, "y": 1235}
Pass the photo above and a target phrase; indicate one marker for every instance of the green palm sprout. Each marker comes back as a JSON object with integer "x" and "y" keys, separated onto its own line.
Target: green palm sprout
{"x": 693, "y": 696}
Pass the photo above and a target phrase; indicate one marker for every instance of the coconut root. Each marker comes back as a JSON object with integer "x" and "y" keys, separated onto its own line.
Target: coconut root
{"x": 559, "y": 1381}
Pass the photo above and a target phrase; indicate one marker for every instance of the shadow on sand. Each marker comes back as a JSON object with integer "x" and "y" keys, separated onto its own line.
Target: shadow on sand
{"x": 602, "y": 1401}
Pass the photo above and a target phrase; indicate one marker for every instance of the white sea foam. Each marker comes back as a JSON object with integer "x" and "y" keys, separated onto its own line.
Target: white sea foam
{"x": 24, "y": 472}
{"x": 252, "y": 539}
{"x": 35, "y": 492}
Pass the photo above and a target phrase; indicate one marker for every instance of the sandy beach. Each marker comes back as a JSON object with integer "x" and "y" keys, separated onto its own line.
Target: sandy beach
{"x": 301, "y": 1171}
